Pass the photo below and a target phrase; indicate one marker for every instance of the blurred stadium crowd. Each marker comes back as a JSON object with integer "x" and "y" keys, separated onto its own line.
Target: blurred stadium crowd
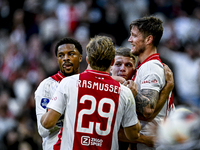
{"x": 29, "y": 30}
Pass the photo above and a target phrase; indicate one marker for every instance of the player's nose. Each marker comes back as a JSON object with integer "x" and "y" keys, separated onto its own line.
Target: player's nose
{"x": 123, "y": 67}
{"x": 66, "y": 57}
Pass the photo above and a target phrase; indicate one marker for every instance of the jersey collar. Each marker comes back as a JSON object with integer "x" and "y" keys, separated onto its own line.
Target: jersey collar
{"x": 97, "y": 72}
{"x": 58, "y": 77}
{"x": 151, "y": 57}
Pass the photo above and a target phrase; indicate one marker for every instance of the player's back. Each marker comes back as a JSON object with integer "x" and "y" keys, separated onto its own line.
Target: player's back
{"x": 95, "y": 108}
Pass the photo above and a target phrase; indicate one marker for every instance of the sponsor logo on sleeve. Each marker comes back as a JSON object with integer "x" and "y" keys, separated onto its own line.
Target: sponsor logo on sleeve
{"x": 149, "y": 81}
{"x": 44, "y": 102}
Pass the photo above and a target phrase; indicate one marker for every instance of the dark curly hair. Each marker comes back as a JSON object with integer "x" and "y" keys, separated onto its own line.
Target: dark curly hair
{"x": 68, "y": 40}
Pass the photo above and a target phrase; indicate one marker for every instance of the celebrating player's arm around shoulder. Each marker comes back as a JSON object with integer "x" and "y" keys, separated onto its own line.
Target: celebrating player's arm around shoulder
{"x": 122, "y": 70}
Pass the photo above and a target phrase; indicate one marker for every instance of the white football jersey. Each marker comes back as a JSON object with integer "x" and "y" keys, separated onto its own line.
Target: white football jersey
{"x": 150, "y": 75}
{"x": 94, "y": 107}
{"x": 43, "y": 94}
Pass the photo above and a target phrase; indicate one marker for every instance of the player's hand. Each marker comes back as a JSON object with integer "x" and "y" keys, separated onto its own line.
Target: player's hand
{"x": 132, "y": 86}
{"x": 150, "y": 141}
{"x": 54, "y": 130}
{"x": 59, "y": 124}
{"x": 169, "y": 77}
{"x": 119, "y": 79}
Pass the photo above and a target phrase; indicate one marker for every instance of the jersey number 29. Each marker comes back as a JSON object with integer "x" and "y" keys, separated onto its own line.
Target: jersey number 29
{"x": 108, "y": 115}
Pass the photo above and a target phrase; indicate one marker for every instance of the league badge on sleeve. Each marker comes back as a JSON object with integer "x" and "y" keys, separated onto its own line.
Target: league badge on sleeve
{"x": 44, "y": 102}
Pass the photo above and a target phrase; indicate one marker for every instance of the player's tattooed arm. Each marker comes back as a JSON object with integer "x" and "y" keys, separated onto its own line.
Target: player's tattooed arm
{"x": 146, "y": 103}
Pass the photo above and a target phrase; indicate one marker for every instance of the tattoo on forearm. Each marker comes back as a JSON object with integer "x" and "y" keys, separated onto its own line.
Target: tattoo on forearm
{"x": 146, "y": 98}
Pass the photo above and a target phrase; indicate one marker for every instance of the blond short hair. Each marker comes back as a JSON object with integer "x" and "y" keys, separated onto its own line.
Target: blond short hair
{"x": 126, "y": 52}
{"x": 101, "y": 52}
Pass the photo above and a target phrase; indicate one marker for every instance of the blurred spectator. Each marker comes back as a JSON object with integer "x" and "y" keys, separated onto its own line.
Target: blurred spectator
{"x": 113, "y": 23}
{"x": 50, "y": 28}
{"x": 133, "y": 9}
{"x": 7, "y": 121}
{"x": 18, "y": 33}
{"x": 5, "y": 15}
{"x": 82, "y": 34}
{"x": 186, "y": 67}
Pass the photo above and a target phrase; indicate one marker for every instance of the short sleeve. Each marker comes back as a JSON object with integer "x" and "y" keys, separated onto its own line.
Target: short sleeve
{"x": 130, "y": 116}
{"x": 58, "y": 101}
{"x": 152, "y": 76}
{"x": 151, "y": 81}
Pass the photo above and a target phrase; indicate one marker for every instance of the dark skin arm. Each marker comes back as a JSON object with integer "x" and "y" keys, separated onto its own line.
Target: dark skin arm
{"x": 50, "y": 118}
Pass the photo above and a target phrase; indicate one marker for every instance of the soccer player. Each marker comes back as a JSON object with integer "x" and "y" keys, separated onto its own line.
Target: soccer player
{"x": 145, "y": 36}
{"x": 125, "y": 64}
{"x": 93, "y": 103}
{"x": 69, "y": 54}
{"x": 124, "y": 67}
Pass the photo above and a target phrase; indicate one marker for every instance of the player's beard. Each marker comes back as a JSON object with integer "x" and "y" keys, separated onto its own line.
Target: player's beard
{"x": 69, "y": 74}
{"x": 139, "y": 51}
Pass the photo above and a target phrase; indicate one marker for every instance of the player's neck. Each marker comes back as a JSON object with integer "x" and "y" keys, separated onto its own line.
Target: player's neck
{"x": 146, "y": 54}
{"x": 107, "y": 71}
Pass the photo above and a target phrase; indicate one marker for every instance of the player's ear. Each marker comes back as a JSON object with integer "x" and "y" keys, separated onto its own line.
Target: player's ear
{"x": 80, "y": 58}
{"x": 111, "y": 68}
{"x": 111, "y": 65}
{"x": 87, "y": 60}
{"x": 113, "y": 61}
{"x": 149, "y": 39}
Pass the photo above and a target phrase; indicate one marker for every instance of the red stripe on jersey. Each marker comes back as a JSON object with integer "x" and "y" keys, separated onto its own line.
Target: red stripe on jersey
{"x": 58, "y": 77}
{"x": 58, "y": 143}
{"x": 98, "y": 98}
{"x": 152, "y": 57}
{"x": 170, "y": 104}
{"x": 170, "y": 101}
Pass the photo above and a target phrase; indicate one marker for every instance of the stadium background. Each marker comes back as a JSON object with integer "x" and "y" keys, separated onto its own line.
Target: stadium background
{"x": 30, "y": 28}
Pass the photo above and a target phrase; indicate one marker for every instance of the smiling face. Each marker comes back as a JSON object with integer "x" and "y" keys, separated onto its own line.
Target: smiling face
{"x": 68, "y": 59}
{"x": 137, "y": 41}
{"x": 123, "y": 67}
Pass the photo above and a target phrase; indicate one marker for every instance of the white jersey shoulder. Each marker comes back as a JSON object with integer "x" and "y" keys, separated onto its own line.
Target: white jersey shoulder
{"x": 43, "y": 95}
{"x": 150, "y": 76}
